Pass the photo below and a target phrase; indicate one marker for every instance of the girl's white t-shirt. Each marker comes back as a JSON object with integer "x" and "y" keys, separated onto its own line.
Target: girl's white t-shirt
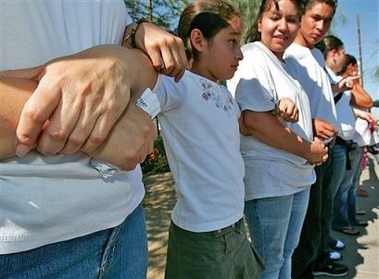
{"x": 49, "y": 199}
{"x": 199, "y": 121}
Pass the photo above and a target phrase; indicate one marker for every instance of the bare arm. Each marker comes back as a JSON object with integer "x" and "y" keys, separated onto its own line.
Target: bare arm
{"x": 91, "y": 104}
{"x": 360, "y": 98}
{"x": 165, "y": 50}
{"x": 14, "y": 93}
{"x": 281, "y": 137}
{"x": 130, "y": 139}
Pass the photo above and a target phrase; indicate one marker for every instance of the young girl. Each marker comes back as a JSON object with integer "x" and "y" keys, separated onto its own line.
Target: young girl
{"x": 279, "y": 155}
{"x": 199, "y": 120}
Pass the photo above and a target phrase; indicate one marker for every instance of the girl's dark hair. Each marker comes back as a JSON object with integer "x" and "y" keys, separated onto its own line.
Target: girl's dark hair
{"x": 254, "y": 34}
{"x": 209, "y": 16}
{"x": 308, "y": 4}
{"x": 349, "y": 59}
{"x": 329, "y": 43}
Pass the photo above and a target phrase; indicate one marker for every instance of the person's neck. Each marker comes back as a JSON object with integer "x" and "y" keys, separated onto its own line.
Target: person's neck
{"x": 196, "y": 69}
{"x": 300, "y": 40}
{"x": 331, "y": 66}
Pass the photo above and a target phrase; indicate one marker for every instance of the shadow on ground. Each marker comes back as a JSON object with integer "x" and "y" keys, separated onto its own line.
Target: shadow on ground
{"x": 159, "y": 201}
{"x": 361, "y": 252}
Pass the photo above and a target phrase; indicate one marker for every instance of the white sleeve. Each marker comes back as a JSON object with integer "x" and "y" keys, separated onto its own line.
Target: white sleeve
{"x": 169, "y": 93}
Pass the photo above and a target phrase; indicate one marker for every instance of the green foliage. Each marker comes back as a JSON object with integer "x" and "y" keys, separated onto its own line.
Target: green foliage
{"x": 248, "y": 10}
{"x": 164, "y": 13}
{"x": 156, "y": 162}
{"x": 376, "y": 103}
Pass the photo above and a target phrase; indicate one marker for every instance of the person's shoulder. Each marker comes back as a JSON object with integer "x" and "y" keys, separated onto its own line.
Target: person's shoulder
{"x": 296, "y": 51}
{"x": 253, "y": 56}
{"x": 251, "y": 48}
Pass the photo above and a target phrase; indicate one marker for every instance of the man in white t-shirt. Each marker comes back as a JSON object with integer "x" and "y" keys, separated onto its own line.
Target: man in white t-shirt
{"x": 311, "y": 257}
{"x": 73, "y": 215}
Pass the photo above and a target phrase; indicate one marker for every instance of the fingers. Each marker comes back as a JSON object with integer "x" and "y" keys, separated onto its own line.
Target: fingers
{"x": 165, "y": 50}
{"x": 55, "y": 135}
{"x": 101, "y": 129}
{"x": 34, "y": 115}
{"x": 169, "y": 58}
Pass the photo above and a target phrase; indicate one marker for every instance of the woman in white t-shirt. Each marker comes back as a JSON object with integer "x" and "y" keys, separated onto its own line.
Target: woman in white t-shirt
{"x": 279, "y": 155}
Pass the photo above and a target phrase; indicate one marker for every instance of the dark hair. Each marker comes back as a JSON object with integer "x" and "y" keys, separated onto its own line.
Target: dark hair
{"x": 349, "y": 59}
{"x": 329, "y": 43}
{"x": 308, "y": 4}
{"x": 209, "y": 16}
{"x": 254, "y": 34}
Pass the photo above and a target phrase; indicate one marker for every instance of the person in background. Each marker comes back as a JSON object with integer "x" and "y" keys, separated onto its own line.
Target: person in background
{"x": 75, "y": 212}
{"x": 312, "y": 255}
{"x": 199, "y": 122}
{"x": 279, "y": 160}
{"x": 347, "y": 150}
{"x": 333, "y": 50}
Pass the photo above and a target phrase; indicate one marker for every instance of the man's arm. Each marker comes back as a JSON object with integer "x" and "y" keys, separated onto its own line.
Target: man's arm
{"x": 165, "y": 50}
{"x": 360, "y": 98}
{"x": 90, "y": 90}
{"x": 130, "y": 139}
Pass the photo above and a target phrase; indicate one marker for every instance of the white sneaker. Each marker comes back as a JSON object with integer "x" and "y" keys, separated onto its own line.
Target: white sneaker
{"x": 335, "y": 256}
{"x": 340, "y": 245}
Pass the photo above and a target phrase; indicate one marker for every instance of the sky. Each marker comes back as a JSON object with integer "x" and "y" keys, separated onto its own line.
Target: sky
{"x": 346, "y": 28}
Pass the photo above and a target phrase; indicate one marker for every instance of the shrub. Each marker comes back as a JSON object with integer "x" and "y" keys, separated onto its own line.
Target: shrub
{"x": 156, "y": 162}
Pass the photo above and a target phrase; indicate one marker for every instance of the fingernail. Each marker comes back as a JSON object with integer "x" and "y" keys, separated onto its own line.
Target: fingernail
{"x": 21, "y": 150}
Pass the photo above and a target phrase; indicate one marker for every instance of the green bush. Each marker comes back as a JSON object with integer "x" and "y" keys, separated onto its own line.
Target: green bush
{"x": 156, "y": 162}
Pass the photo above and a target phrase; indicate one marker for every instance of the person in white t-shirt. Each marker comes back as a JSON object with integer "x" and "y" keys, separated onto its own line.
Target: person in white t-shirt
{"x": 347, "y": 154}
{"x": 69, "y": 214}
{"x": 199, "y": 121}
{"x": 278, "y": 155}
{"x": 312, "y": 255}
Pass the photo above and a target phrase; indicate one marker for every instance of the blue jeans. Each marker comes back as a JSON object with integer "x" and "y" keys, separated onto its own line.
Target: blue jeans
{"x": 115, "y": 253}
{"x": 345, "y": 198}
{"x": 339, "y": 167}
{"x": 275, "y": 225}
{"x": 313, "y": 248}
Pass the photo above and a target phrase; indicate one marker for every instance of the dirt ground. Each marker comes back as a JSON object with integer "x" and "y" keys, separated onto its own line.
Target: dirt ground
{"x": 159, "y": 201}
{"x": 361, "y": 254}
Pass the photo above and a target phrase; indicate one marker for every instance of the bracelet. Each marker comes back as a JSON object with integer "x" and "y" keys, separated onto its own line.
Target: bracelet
{"x": 132, "y": 34}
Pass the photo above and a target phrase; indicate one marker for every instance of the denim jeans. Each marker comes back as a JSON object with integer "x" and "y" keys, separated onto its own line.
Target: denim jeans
{"x": 339, "y": 167}
{"x": 313, "y": 248}
{"x": 275, "y": 225}
{"x": 115, "y": 253}
{"x": 345, "y": 198}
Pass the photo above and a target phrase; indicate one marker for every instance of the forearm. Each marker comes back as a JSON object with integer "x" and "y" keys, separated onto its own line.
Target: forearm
{"x": 134, "y": 131}
{"x": 360, "y": 97}
{"x": 14, "y": 93}
{"x": 268, "y": 129}
{"x": 145, "y": 76}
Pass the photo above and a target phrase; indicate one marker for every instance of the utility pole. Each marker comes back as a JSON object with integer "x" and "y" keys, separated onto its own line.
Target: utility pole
{"x": 151, "y": 10}
{"x": 360, "y": 49}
